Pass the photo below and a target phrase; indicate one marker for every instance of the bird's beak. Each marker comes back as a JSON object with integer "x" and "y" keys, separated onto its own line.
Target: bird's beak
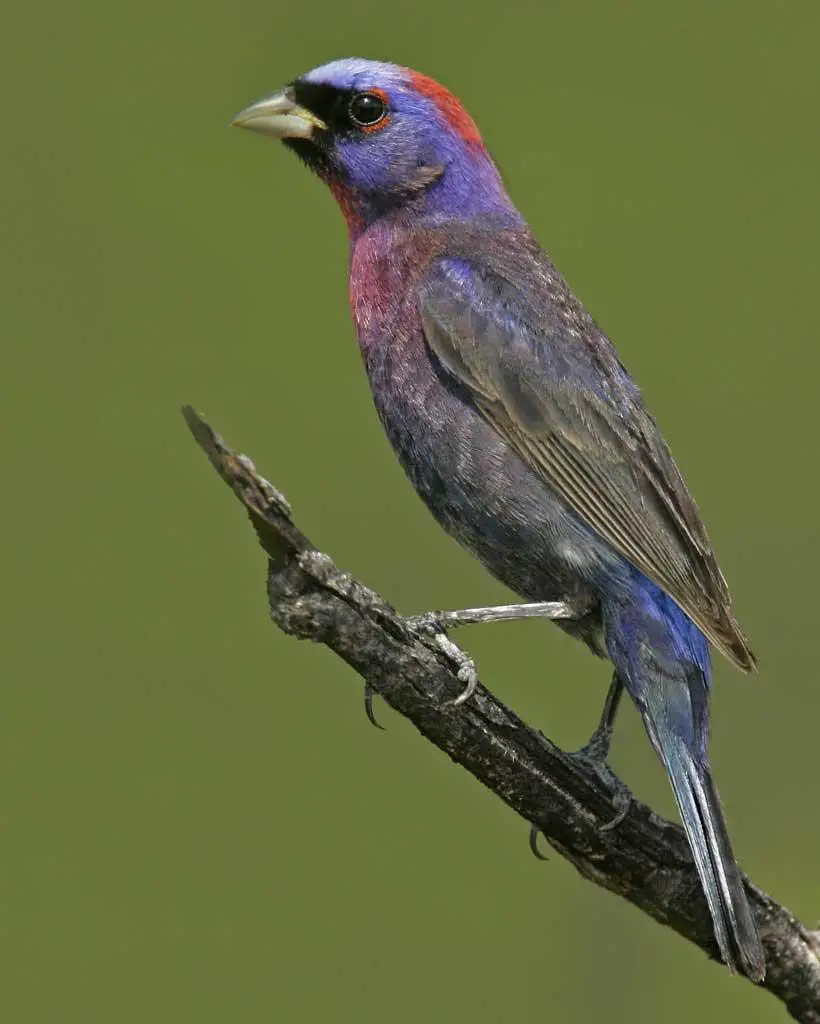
{"x": 280, "y": 117}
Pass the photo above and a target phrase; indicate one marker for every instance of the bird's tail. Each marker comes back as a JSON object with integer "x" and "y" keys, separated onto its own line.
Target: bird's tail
{"x": 703, "y": 820}
{"x": 669, "y": 683}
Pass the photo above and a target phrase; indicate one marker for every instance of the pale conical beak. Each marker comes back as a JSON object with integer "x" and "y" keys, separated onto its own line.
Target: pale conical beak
{"x": 280, "y": 117}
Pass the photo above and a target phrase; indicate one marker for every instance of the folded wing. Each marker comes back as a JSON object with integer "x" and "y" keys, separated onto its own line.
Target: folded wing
{"x": 544, "y": 375}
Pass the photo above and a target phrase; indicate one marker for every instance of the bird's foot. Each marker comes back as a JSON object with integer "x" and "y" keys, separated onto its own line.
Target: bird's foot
{"x": 426, "y": 624}
{"x": 435, "y": 624}
{"x": 597, "y": 747}
{"x": 465, "y": 667}
{"x": 619, "y": 792}
{"x": 594, "y": 756}
{"x": 431, "y": 626}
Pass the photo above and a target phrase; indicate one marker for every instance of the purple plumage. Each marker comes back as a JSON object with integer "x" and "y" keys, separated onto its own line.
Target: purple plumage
{"x": 517, "y": 423}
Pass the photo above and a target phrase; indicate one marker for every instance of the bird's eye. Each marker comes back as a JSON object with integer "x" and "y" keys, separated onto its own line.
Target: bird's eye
{"x": 368, "y": 110}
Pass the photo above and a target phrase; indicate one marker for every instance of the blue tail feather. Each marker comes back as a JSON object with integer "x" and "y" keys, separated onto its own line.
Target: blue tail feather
{"x": 663, "y": 660}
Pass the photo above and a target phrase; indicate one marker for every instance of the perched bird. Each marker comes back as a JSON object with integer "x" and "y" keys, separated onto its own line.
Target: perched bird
{"x": 518, "y": 425}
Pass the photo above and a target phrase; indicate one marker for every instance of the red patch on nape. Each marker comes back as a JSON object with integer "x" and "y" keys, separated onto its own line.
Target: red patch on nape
{"x": 449, "y": 106}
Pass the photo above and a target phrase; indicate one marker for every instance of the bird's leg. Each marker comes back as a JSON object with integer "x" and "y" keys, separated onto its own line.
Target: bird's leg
{"x": 595, "y": 754}
{"x": 597, "y": 748}
{"x": 435, "y": 624}
{"x": 438, "y": 622}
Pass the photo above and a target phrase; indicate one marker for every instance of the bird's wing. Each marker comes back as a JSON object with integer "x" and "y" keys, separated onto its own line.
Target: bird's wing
{"x": 547, "y": 379}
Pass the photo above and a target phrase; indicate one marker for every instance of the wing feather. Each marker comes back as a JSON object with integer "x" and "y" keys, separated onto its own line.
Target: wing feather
{"x": 548, "y": 380}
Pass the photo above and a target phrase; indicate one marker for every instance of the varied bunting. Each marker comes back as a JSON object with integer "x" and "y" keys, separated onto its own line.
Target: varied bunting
{"x": 518, "y": 425}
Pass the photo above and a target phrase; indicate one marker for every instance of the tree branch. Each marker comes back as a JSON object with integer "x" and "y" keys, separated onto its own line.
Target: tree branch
{"x": 645, "y": 859}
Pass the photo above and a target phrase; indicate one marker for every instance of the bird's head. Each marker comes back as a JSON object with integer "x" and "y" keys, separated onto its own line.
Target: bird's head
{"x": 385, "y": 139}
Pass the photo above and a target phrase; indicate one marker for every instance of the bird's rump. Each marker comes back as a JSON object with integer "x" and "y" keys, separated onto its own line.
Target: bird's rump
{"x": 543, "y": 374}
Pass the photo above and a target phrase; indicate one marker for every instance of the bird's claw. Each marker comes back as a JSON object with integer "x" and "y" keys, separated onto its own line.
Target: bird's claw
{"x": 535, "y": 832}
{"x": 622, "y": 798}
{"x": 368, "y": 707}
{"x": 466, "y": 673}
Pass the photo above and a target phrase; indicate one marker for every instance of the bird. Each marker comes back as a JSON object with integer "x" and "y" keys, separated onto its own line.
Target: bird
{"x": 518, "y": 425}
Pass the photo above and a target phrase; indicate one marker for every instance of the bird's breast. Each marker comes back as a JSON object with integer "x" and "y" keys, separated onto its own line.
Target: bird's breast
{"x": 472, "y": 481}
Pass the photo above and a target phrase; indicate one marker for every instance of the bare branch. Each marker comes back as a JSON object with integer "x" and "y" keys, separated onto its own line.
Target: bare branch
{"x": 645, "y": 859}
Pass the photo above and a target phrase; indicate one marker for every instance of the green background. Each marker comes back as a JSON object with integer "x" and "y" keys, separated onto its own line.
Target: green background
{"x": 196, "y": 821}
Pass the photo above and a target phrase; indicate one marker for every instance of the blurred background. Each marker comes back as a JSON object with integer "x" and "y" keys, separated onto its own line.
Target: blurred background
{"x": 196, "y": 821}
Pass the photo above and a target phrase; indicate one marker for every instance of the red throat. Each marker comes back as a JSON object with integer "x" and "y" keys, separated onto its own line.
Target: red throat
{"x": 450, "y": 107}
{"x": 352, "y": 215}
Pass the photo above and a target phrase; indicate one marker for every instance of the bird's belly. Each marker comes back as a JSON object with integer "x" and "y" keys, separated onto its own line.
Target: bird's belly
{"x": 481, "y": 492}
